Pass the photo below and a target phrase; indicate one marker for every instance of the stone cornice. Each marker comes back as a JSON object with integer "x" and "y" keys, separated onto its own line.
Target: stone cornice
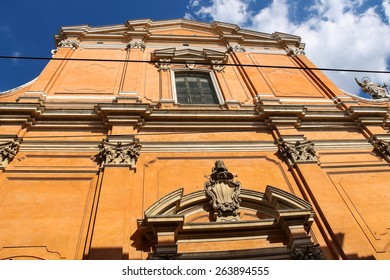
{"x": 146, "y": 28}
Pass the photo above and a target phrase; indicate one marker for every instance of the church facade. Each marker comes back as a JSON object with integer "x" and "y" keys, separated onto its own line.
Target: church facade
{"x": 179, "y": 139}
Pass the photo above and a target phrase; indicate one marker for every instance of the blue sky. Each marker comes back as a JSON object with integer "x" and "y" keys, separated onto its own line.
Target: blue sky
{"x": 338, "y": 33}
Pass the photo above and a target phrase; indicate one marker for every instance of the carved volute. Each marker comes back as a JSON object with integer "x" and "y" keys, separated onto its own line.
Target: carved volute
{"x": 223, "y": 193}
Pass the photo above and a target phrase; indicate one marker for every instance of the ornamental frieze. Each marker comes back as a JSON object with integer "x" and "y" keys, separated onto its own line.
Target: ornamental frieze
{"x": 8, "y": 151}
{"x": 223, "y": 193}
{"x": 118, "y": 153}
{"x": 298, "y": 152}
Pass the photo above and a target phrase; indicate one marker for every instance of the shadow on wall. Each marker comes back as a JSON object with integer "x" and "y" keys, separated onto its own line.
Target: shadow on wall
{"x": 106, "y": 254}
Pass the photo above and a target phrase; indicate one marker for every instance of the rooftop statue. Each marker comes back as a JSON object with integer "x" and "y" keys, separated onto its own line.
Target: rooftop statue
{"x": 374, "y": 90}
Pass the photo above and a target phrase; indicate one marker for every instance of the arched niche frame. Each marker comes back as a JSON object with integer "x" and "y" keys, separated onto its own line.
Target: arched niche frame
{"x": 283, "y": 214}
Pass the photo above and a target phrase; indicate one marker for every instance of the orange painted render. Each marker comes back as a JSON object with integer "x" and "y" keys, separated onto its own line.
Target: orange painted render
{"x": 57, "y": 201}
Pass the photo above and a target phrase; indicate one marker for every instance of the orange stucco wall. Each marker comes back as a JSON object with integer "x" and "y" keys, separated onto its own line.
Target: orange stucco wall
{"x": 57, "y": 202}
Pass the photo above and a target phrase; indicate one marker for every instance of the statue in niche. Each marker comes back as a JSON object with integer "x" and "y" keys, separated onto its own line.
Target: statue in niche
{"x": 223, "y": 193}
{"x": 374, "y": 90}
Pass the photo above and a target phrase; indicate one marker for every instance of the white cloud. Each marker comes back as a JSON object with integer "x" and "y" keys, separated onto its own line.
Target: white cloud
{"x": 232, "y": 11}
{"x": 337, "y": 33}
{"x": 386, "y": 9}
{"x": 194, "y": 3}
{"x": 15, "y": 60}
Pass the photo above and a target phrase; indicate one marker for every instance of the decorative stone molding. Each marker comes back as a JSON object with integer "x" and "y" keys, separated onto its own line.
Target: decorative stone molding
{"x": 68, "y": 44}
{"x": 275, "y": 212}
{"x": 136, "y": 45}
{"x": 298, "y": 152}
{"x": 191, "y": 66}
{"x": 156, "y": 256}
{"x": 381, "y": 147}
{"x": 223, "y": 192}
{"x": 237, "y": 48}
{"x": 295, "y": 51}
{"x": 118, "y": 154}
{"x": 218, "y": 65}
{"x": 8, "y": 151}
{"x": 163, "y": 64}
{"x": 308, "y": 252}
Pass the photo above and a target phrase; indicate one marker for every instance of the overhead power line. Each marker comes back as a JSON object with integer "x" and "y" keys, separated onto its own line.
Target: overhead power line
{"x": 198, "y": 63}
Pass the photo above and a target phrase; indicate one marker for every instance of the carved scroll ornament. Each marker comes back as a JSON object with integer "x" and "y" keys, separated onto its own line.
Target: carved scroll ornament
{"x": 298, "y": 151}
{"x": 118, "y": 154}
{"x": 8, "y": 151}
{"x": 223, "y": 192}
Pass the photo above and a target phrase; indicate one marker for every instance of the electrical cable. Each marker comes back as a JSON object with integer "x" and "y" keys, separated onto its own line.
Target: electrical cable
{"x": 198, "y": 63}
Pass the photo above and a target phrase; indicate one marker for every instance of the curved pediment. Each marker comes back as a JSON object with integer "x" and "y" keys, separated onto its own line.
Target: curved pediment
{"x": 272, "y": 203}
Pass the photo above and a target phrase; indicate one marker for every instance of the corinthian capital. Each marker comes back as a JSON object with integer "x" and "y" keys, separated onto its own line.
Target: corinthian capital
{"x": 8, "y": 151}
{"x": 382, "y": 147}
{"x": 118, "y": 153}
{"x": 298, "y": 152}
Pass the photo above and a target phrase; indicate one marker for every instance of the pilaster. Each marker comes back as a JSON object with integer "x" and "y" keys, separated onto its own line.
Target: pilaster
{"x": 111, "y": 235}
{"x": 342, "y": 235}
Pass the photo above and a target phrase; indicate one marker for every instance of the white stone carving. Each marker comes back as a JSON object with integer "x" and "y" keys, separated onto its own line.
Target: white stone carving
{"x": 163, "y": 64}
{"x": 136, "y": 45}
{"x": 374, "y": 90}
{"x": 237, "y": 48}
{"x": 68, "y": 44}
{"x": 218, "y": 65}
{"x": 191, "y": 66}
{"x": 382, "y": 147}
{"x": 118, "y": 154}
{"x": 223, "y": 192}
{"x": 298, "y": 152}
{"x": 295, "y": 51}
{"x": 8, "y": 151}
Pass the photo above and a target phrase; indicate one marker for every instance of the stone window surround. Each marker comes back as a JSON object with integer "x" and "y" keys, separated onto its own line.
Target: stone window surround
{"x": 213, "y": 80}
